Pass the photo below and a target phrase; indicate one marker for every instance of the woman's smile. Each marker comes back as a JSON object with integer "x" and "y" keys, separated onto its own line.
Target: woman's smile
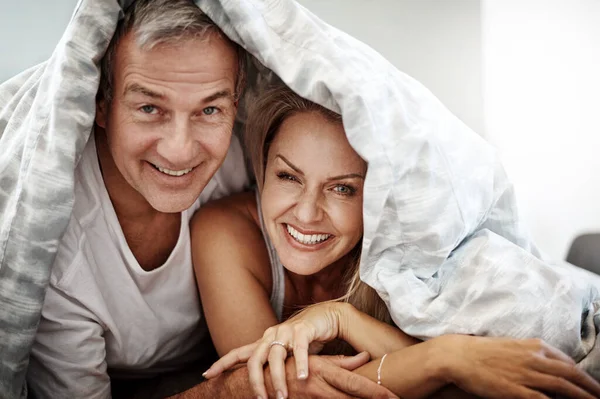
{"x": 306, "y": 240}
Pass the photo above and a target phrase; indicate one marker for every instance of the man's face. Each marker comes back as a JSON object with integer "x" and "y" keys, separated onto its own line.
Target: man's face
{"x": 169, "y": 124}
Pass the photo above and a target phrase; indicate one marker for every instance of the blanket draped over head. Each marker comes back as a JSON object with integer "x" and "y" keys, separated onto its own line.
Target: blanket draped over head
{"x": 443, "y": 241}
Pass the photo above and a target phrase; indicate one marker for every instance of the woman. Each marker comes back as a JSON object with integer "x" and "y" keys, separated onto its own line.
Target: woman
{"x": 263, "y": 257}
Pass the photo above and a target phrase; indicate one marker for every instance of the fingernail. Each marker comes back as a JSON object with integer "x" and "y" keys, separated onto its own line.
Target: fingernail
{"x": 280, "y": 395}
{"x": 302, "y": 375}
{"x": 204, "y": 374}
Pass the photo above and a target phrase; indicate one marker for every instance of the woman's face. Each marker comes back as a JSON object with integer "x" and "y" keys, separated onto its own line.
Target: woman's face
{"x": 312, "y": 193}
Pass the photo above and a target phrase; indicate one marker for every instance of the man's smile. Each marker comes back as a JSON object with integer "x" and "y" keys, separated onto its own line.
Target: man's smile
{"x": 170, "y": 172}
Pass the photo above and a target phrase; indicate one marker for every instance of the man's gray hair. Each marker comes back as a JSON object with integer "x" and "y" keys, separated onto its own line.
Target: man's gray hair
{"x": 155, "y": 22}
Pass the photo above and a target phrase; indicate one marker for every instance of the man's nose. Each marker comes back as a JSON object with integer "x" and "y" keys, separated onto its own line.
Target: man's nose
{"x": 177, "y": 143}
{"x": 309, "y": 208}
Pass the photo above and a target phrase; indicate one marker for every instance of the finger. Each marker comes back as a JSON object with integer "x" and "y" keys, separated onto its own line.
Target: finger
{"x": 570, "y": 373}
{"x": 301, "y": 344}
{"x": 354, "y": 384}
{"x": 270, "y": 333}
{"x": 314, "y": 348}
{"x": 255, "y": 365}
{"x": 350, "y": 362}
{"x": 313, "y": 388}
{"x": 233, "y": 357}
{"x": 557, "y": 354}
{"x": 276, "y": 358}
{"x": 488, "y": 384}
{"x": 559, "y": 385}
{"x": 521, "y": 392}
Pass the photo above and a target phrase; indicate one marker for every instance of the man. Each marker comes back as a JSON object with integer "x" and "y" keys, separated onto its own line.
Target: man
{"x": 122, "y": 301}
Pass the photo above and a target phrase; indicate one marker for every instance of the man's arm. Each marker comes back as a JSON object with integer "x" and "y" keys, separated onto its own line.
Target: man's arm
{"x": 231, "y": 384}
{"x": 68, "y": 355}
{"x": 330, "y": 377}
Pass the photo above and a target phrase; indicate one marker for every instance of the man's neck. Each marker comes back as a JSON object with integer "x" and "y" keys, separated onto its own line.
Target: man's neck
{"x": 140, "y": 222}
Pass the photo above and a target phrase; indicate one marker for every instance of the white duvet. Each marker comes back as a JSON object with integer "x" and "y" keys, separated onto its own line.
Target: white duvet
{"x": 443, "y": 243}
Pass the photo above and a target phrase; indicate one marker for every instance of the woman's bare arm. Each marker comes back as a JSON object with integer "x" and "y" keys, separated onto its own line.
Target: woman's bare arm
{"x": 233, "y": 272}
{"x": 486, "y": 367}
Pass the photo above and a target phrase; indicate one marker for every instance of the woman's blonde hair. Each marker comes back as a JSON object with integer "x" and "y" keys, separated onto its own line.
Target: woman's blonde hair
{"x": 265, "y": 116}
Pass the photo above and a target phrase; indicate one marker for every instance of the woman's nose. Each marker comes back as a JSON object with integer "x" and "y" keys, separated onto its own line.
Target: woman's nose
{"x": 309, "y": 208}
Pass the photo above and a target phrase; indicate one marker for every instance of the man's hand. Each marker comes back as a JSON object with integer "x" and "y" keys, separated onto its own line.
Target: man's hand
{"x": 309, "y": 331}
{"x": 331, "y": 377}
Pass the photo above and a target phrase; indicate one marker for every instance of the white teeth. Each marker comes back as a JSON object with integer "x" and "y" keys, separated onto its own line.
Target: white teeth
{"x": 307, "y": 239}
{"x": 173, "y": 172}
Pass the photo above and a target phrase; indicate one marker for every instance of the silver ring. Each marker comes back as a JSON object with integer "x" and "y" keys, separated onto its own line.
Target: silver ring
{"x": 285, "y": 346}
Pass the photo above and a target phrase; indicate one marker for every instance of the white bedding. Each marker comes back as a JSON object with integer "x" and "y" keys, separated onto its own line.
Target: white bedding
{"x": 443, "y": 244}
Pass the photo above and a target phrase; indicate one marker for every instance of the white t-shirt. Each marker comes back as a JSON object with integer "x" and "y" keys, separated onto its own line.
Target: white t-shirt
{"x": 103, "y": 311}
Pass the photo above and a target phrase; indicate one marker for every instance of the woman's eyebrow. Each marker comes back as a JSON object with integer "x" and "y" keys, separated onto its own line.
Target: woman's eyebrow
{"x": 347, "y": 176}
{"x": 291, "y": 165}
{"x": 340, "y": 177}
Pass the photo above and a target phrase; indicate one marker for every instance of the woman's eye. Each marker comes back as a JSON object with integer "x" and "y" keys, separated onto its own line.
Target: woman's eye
{"x": 286, "y": 176}
{"x": 148, "y": 109}
{"x": 210, "y": 110}
{"x": 344, "y": 190}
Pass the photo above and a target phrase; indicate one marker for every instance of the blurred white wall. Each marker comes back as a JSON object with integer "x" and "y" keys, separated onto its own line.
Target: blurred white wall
{"x": 29, "y": 31}
{"x": 542, "y": 106}
{"x": 438, "y": 42}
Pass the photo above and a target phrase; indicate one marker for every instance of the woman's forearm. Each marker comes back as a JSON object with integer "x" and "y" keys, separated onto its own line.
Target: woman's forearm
{"x": 366, "y": 333}
{"x": 412, "y": 372}
{"x": 412, "y": 369}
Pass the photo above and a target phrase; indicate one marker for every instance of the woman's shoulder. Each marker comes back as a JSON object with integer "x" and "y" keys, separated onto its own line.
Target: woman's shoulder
{"x": 228, "y": 212}
{"x": 229, "y": 227}
{"x": 226, "y": 233}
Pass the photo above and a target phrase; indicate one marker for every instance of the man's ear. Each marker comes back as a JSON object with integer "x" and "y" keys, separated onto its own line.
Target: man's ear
{"x": 101, "y": 112}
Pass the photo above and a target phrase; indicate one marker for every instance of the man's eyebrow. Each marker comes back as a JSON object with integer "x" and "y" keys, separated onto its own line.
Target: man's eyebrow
{"x": 220, "y": 94}
{"x": 138, "y": 88}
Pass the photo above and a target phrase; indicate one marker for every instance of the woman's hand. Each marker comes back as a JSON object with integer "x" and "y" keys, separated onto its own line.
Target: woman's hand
{"x": 510, "y": 368}
{"x": 303, "y": 334}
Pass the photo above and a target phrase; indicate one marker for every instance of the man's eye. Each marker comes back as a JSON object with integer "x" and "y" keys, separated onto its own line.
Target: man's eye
{"x": 210, "y": 110}
{"x": 148, "y": 109}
